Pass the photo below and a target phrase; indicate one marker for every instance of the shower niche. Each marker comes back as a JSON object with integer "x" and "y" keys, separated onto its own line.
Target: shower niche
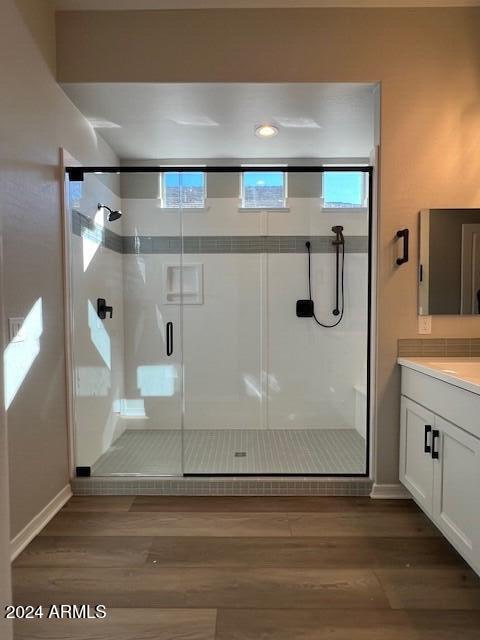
{"x": 183, "y": 283}
{"x": 205, "y": 357}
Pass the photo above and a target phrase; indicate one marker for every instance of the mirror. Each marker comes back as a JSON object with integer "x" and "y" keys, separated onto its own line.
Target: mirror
{"x": 449, "y": 268}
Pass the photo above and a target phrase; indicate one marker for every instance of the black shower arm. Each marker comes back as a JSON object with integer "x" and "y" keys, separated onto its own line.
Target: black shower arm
{"x": 104, "y": 206}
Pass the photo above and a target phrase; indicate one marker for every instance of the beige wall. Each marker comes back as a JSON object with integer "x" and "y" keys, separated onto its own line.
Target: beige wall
{"x": 428, "y": 63}
{"x": 35, "y": 120}
{"x": 5, "y": 586}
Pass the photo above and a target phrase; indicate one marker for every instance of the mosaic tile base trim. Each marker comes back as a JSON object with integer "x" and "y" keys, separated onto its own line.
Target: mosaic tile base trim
{"x": 222, "y": 486}
{"x": 87, "y": 228}
{"x": 439, "y": 347}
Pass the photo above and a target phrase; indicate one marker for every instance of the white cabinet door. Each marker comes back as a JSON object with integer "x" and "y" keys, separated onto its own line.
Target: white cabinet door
{"x": 457, "y": 489}
{"x": 416, "y": 464}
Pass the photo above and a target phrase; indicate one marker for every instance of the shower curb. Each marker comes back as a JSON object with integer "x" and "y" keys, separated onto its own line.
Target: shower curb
{"x": 260, "y": 486}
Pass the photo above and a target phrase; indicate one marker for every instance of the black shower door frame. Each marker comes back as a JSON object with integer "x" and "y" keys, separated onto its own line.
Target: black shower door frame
{"x": 76, "y": 174}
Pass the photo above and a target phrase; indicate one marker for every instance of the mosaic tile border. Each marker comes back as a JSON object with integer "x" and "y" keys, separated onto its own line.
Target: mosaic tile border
{"x": 239, "y": 244}
{"x": 439, "y": 347}
{"x": 327, "y": 486}
{"x": 85, "y": 227}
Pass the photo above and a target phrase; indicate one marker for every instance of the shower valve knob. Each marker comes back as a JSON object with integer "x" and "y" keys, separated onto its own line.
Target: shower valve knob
{"x": 103, "y": 309}
{"x": 305, "y": 308}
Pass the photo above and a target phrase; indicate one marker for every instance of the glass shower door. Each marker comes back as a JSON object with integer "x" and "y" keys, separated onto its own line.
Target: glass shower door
{"x": 205, "y": 366}
{"x": 318, "y": 366}
{"x": 222, "y": 322}
{"x": 128, "y": 367}
{"x": 269, "y": 390}
{"x": 153, "y": 321}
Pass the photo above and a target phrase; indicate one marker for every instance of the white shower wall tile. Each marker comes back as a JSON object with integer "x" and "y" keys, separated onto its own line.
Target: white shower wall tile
{"x": 306, "y": 217}
{"x": 245, "y": 345}
{"x": 222, "y": 345}
{"x": 145, "y": 217}
{"x": 249, "y": 361}
{"x": 221, "y": 216}
{"x": 145, "y": 320}
{"x": 313, "y": 371}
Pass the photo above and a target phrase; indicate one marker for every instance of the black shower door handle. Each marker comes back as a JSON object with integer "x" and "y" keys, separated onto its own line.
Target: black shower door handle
{"x": 403, "y": 233}
{"x": 169, "y": 338}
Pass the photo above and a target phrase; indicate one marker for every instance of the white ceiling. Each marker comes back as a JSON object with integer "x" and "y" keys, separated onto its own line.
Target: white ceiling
{"x": 111, "y": 5}
{"x": 152, "y": 121}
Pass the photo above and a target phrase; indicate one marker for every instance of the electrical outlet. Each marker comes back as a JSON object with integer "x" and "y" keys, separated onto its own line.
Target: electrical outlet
{"x": 424, "y": 324}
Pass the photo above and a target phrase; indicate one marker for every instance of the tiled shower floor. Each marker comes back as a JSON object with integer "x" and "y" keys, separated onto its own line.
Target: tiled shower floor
{"x": 158, "y": 452}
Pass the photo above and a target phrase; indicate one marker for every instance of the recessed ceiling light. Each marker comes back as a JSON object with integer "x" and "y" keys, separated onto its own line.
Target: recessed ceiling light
{"x": 266, "y": 131}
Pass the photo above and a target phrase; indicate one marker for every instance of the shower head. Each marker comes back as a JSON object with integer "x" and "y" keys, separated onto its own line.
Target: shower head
{"x": 112, "y": 214}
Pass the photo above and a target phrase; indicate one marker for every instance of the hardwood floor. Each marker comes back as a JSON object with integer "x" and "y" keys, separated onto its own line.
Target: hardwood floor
{"x": 208, "y": 568}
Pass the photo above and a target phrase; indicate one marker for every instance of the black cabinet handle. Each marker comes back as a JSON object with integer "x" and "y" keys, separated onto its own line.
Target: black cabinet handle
{"x": 169, "y": 338}
{"x": 435, "y": 436}
{"x": 403, "y": 233}
{"x": 426, "y": 447}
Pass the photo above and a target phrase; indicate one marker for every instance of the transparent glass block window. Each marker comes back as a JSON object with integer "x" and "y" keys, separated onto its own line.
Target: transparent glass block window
{"x": 344, "y": 190}
{"x": 185, "y": 190}
{"x": 263, "y": 189}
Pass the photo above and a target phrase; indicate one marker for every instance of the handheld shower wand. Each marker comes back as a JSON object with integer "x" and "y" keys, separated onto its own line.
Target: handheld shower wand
{"x": 337, "y": 243}
{"x": 306, "y": 308}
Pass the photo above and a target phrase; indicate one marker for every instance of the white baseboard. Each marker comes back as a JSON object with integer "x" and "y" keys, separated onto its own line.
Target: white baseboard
{"x": 389, "y": 492}
{"x": 33, "y": 528}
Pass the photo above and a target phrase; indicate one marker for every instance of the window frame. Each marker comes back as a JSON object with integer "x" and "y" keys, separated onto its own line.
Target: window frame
{"x": 258, "y": 169}
{"x": 364, "y": 195}
{"x": 163, "y": 194}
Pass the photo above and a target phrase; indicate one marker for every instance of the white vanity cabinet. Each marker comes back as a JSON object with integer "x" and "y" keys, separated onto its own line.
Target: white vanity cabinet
{"x": 456, "y": 495}
{"x": 440, "y": 460}
{"x": 416, "y": 464}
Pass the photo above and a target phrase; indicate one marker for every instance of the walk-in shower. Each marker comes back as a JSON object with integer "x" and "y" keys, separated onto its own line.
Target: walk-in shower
{"x": 221, "y": 324}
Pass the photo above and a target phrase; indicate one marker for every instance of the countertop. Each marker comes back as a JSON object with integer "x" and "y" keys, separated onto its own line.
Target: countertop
{"x": 460, "y": 372}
